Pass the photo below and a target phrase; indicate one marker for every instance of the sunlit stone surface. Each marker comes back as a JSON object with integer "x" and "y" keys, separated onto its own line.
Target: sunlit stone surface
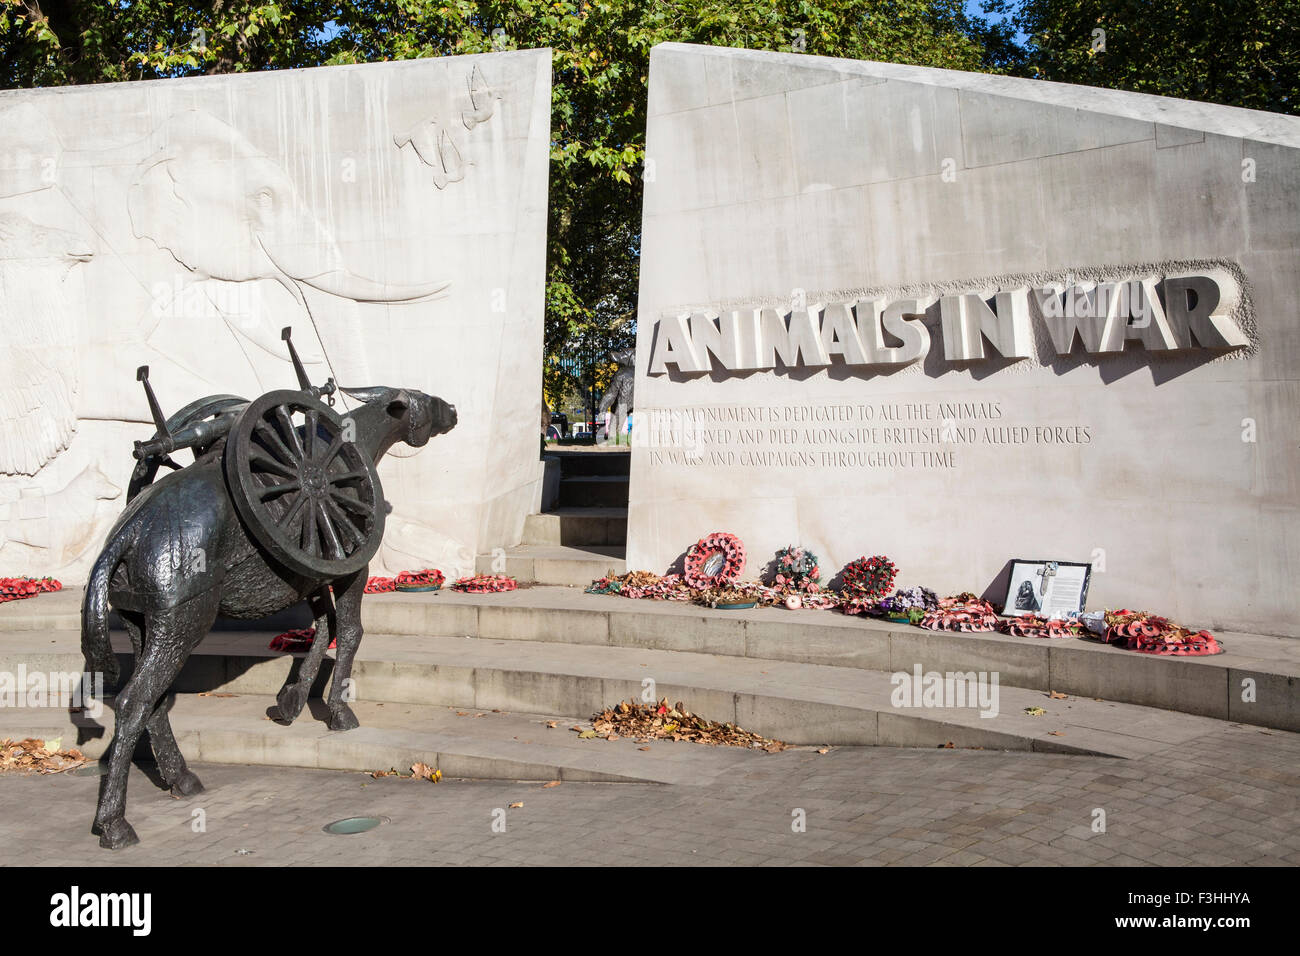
{"x": 393, "y": 214}
{"x": 960, "y": 319}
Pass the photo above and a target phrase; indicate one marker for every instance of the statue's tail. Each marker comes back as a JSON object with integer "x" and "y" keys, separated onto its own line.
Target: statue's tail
{"x": 96, "y": 647}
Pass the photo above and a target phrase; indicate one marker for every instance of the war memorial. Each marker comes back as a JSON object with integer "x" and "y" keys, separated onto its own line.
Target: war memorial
{"x": 964, "y": 434}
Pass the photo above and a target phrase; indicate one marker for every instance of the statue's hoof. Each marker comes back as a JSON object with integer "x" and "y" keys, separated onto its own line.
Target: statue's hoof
{"x": 186, "y": 785}
{"x": 343, "y": 719}
{"x": 115, "y": 835}
{"x": 290, "y": 702}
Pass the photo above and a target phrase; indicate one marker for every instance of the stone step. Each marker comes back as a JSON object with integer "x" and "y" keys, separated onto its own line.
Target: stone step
{"x": 1205, "y": 686}
{"x": 571, "y": 567}
{"x": 1257, "y": 680}
{"x": 458, "y": 741}
{"x": 578, "y": 463}
{"x": 594, "y": 491}
{"x": 576, "y": 526}
{"x": 797, "y": 703}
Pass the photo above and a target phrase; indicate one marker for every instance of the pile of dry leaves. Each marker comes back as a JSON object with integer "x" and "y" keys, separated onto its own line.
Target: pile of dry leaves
{"x": 646, "y": 722}
{"x": 35, "y": 756}
{"x": 419, "y": 771}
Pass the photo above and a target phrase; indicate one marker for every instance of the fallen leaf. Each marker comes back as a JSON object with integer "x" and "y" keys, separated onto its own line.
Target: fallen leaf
{"x": 552, "y": 723}
{"x": 1057, "y": 695}
{"x": 553, "y": 783}
{"x": 1035, "y": 711}
{"x": 516, "y": 806}
{"x": 823, "y": 750}
{"x": 586, "y": 735}
{"x": 642, "y": 748}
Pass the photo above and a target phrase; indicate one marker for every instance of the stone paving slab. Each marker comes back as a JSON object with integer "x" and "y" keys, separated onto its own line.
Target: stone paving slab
{"x": 1230, "y": 799}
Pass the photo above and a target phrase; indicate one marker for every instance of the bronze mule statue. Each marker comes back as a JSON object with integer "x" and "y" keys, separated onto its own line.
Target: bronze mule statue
{"x": 270, "y": 513}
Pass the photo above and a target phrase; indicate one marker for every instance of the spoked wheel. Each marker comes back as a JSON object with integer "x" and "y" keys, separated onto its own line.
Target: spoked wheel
{"x": 213, "y": 406}
{"x": 307, "y": 495}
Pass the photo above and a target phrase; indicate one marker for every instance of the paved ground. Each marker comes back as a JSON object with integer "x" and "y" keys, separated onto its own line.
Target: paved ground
{"x": 1231, "y": 799}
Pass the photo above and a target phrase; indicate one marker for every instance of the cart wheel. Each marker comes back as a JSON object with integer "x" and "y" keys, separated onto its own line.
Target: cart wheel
{"x": 146, "y": 469}
{"x": 306, "y": 494}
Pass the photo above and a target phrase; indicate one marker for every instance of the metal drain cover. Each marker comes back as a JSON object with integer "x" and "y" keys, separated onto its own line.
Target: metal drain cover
{"x": 354, "y": 825}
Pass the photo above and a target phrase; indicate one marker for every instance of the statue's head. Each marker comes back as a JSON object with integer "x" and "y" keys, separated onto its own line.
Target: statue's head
{"x": 414, "y": 416}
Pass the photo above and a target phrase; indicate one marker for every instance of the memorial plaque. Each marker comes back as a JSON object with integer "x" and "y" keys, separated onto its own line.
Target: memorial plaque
{"x": 1050, "y": 589}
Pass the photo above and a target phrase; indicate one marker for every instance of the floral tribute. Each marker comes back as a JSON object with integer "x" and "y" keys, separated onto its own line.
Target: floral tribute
{"x": 427, "y": 579}
{"x": 485, "y": 584}
{"x": 15, "y": 589}
{"x": 719, "y": 597}
{"x": 296, "y": 640}
{"x": 715, "y": 560}
{"x": 963, "y": 612}
{"x": 643, "y": 584}
{"x": 797, "y": 567}
{"x": 869, "y": 577}
{"x": 906, "y": 600}
{"x": 1149, "y": 634}
{"x": 864, "y": 582}
{"x": 1031, "y": 625}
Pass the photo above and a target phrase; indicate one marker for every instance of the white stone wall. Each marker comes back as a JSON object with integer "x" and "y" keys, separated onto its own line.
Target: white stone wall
{"x": 393, "y": 214}
{"x": 779, "y": 181}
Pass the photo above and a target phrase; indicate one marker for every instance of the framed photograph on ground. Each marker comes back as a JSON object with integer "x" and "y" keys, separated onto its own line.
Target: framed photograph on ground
{"x": 1047, "y": 588}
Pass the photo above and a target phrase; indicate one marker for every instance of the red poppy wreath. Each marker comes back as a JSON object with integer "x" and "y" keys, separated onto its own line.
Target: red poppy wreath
{"x": 869, "y": 578}
{"x": 715, "y": 560}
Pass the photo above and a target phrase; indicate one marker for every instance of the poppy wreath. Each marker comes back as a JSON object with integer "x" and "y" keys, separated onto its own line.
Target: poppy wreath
{"x": 1149, "y": 634}
{"x": 378, "y": 585}
{"x": 428, "y": 578}
{"x": 797, "y": 567}
{"x": 297, "y": 640}
{"x": 964, "y": 613}
{"x": 719, "y": 543}
{"x": 1031, "y": 625}
{"x": 15, "y": 589}
{"x": 485, "y": 584}
{"x": 868, "y": 579}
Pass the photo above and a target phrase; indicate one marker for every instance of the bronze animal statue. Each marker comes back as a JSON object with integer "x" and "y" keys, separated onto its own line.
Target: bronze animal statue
{"x": 282, "y": 504}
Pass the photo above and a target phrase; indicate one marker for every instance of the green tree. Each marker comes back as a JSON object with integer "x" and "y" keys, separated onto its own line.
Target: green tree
{"x": 601, "y": 51}
{"x": 1244, "y": 53}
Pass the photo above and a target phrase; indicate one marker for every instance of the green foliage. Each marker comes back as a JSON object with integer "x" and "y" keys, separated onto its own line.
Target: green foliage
{"x": 1234, "y": 53}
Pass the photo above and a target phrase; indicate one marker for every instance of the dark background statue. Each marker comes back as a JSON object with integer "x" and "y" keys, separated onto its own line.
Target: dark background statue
{"x": 619, "y": 393}
{"x": 281, "y": 505}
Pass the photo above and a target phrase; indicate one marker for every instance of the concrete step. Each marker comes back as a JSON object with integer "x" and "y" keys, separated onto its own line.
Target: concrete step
{"x": 1257, "y": 680}
{"x": 1205, "y": 686}
{"x": 797, "y": 703}
{"x": 578, "y": 463}
{"x": 594, "y": 491}
{"x": 576, "y": 526}
{"x": 460, "y": 742}
{"x": 571, "y": 567}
